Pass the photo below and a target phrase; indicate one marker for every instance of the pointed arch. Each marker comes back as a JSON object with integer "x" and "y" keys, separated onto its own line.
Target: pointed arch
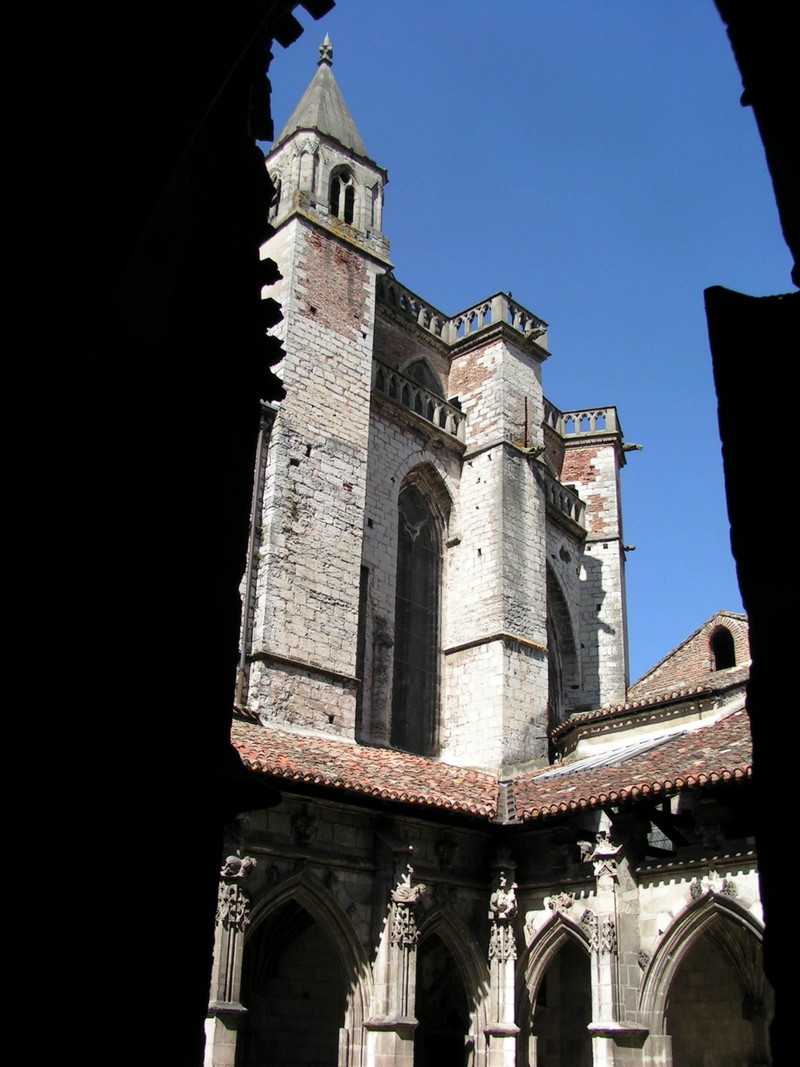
{"x": 473, "y": 972}
{"x": 697, "y": 919}
{"x": 305, "y": 892}
{"x": 342, "y": 194}
{"x": 417, "y": 622}
{"x": 420, "y": 371}
{"x": 557, "y": 931}
{"x": 563, "y": 659}
{"x": 558, "y": 934}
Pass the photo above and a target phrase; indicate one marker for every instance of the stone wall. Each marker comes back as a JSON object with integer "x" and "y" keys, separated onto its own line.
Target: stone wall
{"x": 306, "y": 610}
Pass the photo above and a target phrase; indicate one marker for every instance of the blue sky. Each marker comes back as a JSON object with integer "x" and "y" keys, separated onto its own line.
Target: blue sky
{"x": 593, "y": 158}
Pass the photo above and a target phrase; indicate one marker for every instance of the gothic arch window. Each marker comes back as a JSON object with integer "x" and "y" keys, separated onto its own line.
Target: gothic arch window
{"x": 420, "y": 372}
{"x": 563, "y": 671}
{"x": 415, "y": 695}
{"x": 343, "y": 195}
{"x": 723, "y": 650}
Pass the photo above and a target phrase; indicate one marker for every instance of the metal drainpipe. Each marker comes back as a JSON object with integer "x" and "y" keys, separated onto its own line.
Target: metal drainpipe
{"x": 269, "y": 410}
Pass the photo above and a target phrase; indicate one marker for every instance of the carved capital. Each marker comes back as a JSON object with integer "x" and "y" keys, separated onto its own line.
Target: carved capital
{"x": 233, "y": 907}
{"x": 403, "y": 930}
{"x": 405, "y": 896}
{"x": 502, "y": 943}
{"x": 602, "y": 932}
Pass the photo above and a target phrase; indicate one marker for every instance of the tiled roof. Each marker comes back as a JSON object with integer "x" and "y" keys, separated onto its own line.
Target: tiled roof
{"x": 366, "y": 770}
{"x": 732, "y": 678}
{"x": 715, "y": 753}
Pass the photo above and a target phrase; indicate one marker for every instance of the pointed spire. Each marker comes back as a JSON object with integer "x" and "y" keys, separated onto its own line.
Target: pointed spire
{"x": 322, "y": 108}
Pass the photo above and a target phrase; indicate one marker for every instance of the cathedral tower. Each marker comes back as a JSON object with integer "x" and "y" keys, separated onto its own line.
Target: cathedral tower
{"x": 304, "y": 583}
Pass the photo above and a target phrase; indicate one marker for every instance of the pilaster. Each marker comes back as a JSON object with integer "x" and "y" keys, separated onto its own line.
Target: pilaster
{"x": 502, "y": 1031}
{"x": 225, "y": 1012}
{"x": 390, "y": 1031}
{"x": 610, "y": 1036}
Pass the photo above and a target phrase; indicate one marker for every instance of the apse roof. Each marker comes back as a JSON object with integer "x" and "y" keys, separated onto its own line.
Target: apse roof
{"x": 322, "y": 108}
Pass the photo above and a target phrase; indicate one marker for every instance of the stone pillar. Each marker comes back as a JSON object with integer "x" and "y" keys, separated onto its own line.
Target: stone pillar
{"x": 501, "y": 1033}
{"x": 610, "y": 1037}
{"x": 225, "y": 1012}
{"x": 390, "y": 1033}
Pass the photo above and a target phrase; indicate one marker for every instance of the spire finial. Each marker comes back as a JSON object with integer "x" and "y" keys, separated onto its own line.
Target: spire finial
{"x": 325, "y": 51}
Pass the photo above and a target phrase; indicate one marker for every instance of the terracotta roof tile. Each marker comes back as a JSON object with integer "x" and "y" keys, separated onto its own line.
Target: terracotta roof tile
{"x": 719, "y": 752}
{"x": 731, "y": 680}
{"x": 710, "y": 754}
{"x": 365, "y": 770}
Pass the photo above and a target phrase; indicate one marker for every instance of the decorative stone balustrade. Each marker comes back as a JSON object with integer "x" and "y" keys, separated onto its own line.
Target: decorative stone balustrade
{"x": 563, "y": 499}
{"x": 578, "y": 423}
{"x": 409, "y": 394}
{"x": 497, "y": 308}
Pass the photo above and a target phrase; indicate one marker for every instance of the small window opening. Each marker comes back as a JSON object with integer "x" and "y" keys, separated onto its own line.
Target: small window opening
{"x": 723, "y": 650}
{"x": 343, "y": 196}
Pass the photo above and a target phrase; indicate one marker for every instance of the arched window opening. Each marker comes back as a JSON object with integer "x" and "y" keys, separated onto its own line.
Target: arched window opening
{"x": 420, "y": 372}
{"x": 555, "y": 681}
{"x": 415, "y": 695}
{"x": 563, "y": 1010}
{"x": 295, "y": 988}
{"x": 723, "y": 650}
{"x": 563, "y": 671}
{"x": 441, "y": 1007}
{"x": 343, "y": 196}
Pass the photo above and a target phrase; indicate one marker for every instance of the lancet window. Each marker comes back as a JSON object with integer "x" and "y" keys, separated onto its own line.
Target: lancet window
{"x": 343, "y": 195}
{"x": 415, "y": 694}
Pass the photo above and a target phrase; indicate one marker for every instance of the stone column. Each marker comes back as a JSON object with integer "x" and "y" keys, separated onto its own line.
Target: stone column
{"x": 601, "y": 926}
{"x": 501, "y": 1033}
{"x": 390, "y": 1033}
{"x": 225, "y": 1012}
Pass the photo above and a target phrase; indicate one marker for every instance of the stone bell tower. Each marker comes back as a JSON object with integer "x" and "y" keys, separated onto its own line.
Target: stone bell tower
{"x": 303, "y": 587}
